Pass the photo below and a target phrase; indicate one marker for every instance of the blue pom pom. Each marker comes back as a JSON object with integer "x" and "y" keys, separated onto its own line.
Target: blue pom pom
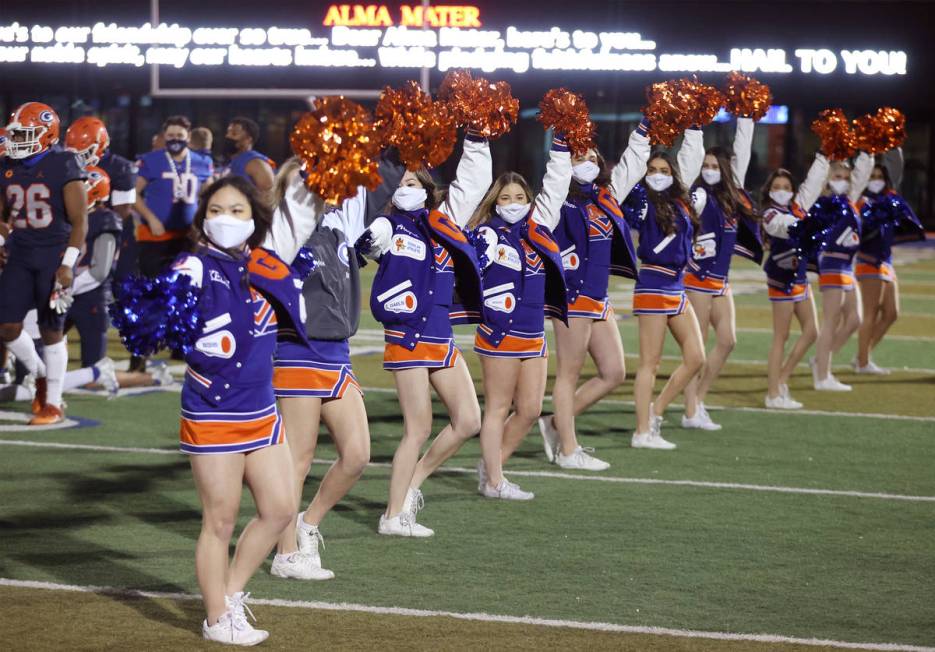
{"x": 304, "y": 263}
{"x": 480, "y": 246}
{"x": 634, "y": 204}
{"x": 156, "y": 313}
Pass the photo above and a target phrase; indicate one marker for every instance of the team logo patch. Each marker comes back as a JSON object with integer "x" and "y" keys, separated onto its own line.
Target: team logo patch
{"x": 344, "y": 254}
{"x": 403, "y": 303}
{"x": 405, "y": 245}
{"x": 46, "y": 116}
{"x": 217, "y": 277}
{"x": 570, "y": 260}
{"x": 704, "y": 248}
{"x": 508, "y": 257}
{"x": 502, "y": 302}
{"x": 217, "y": 345}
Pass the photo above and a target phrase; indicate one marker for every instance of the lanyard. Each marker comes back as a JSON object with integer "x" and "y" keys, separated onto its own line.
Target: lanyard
{"x": 178, "y": 187}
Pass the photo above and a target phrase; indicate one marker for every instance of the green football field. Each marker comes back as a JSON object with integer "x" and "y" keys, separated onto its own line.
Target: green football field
{"x": 782, "y": 531}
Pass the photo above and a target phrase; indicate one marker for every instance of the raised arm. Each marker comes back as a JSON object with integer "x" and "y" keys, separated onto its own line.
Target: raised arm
{"x": 814, "y": 182}
{"x": 691, "y": 155}
{"x": 472, "y": 179}
{"x": 293, "y": 224}
{"x": 743, "y": 143}
{"x": 632, "y": 164}
{"x": 860, "y": 175}
{"x": 350, "y": 217}
{"x": 548, "y": 205}
{"x": 893, "y": 162}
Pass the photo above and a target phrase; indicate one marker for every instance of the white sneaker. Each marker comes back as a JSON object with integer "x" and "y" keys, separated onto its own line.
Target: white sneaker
{"x": 160, "y": 373}
{"x": 701, "y": 420}
{"x": 870, "y": 368}
{"x": 506, "y": 491}
{"x": 309, "y": 567}
{"x": 299, "y": 566}
{"x": 831, "y": 384}
{"x": 107, "y": 376}
{"x": 580, "y": 459}
{"x": 402, "y": 525}
{"x": 415, "y": 502}
{"x": 481, "y": 475}
{"x": 232, "y": 628}
{"x": 549, "y": 437}
{"x": 651, "y": 440}
{"x": 782, "y": 402}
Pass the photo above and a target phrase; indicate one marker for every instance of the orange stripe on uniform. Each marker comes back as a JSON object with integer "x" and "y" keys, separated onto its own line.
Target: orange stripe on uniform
{"x": 305, "y": 378}
{"x": 430, "y": 353}
{"x": 216, "y": 433}
{"x": 834, "y": 279}
{"x": 511, "y": 346}
{"x": 710, "y": 285}
{"x": 656, "y": 302}
{"x": 799, "y": 292}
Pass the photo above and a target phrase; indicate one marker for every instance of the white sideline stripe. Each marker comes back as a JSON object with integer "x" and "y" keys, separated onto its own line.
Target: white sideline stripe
{"x": 460, "y": 470}
{"x": 479, "y": 617}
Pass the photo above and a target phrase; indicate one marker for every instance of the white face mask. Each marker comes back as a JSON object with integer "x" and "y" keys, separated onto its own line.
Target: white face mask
{"x": 839, "y": 186}
{"x": 407, "y": 198}
{"x": 659, "y": 181}
{"x": 781, "y": 197}
{"x": 711, "y": 177}
{"x": 876, "y": 186}
{"x": 585, "y": 172}
{"x": 512, "y": 213}
{"x": 228, "y": 232}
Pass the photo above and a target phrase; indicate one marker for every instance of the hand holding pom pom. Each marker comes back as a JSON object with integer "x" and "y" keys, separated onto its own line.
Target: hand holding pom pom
{"x": 338, "y": 144}
{"x": 838, "y": 141}
{"x": 881, "y": 131}
{"x": 488, "y": 109}
{"x": 567, "y": 113}
{"x": 304, "y": 263}
{"x": 746, "y": 97}
{"x": 678, "y": 104}
{"x": 423, "y": 131}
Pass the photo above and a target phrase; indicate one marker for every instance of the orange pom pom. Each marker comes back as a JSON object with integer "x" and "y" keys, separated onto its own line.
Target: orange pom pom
{"x": 338, "y": 144}
{"x": 881, "y": 131}
{"x": 487, "y": 108}
{"x": 746, "y": 97}
{"x": 678, "y": 104}
{"x": 838, "y": 141}
{"x": 423, "y": 131}
{"x": 567, "y": 113}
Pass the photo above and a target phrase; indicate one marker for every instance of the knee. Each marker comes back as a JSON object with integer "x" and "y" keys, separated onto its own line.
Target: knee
{"x": 810, "y": 332}
{"x": 467, "y": 424}
{"x": 9, "y": 332}
{"x": 355, "y": 460}
{"x": 278, "y": 514}
{"x": 220, "y": 526}
{"x": 615, "y": 375}
{"x": 728, "y": 342}
{"x": 694, "y": 360}
{"x": 528, "y": 411}
{"x": 889, "y": 315}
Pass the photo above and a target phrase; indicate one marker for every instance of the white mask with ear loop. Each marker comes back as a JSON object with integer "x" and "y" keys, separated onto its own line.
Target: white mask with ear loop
{"x": 512, "y": 213}
{"x": 407, "y": 198}
{"x": 711, "y": 177}
{"x": 781, "y": 197}
{"x": 585, "y": 172}
{"x": 839, "y": 186}
{"x": 228, "y": 232}
{"x": 876, "y": 186}
{"x": 659, "y": 181}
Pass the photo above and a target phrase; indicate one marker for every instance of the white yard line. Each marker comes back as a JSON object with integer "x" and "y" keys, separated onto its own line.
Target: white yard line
{"x": 479, "y": 617}
{"x": 557, "y": 475}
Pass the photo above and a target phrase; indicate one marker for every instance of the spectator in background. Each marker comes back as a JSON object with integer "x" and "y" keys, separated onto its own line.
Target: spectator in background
{"x": 158, "y": 142}
{"x": 202, "y": 141}
{"x": 242, "y": 135}
{"x": 167, "y": 188}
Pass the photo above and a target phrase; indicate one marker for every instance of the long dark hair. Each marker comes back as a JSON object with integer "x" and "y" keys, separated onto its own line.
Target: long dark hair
{"x": 261, "y": 211}
{"x": 664, "y": 202}
{"x": 602, "y": 181}
{"x": 778, "y": 172}
{"x": 726, "y": 192}
{"x": 887, "y": 181}
{"x": 433, "y": 197}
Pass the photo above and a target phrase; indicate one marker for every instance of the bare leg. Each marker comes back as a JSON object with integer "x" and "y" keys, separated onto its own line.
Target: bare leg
{"x": 500, "y": 380}
{"x": 527, "y": 403}
{"x": 850, "y": 321}
{"x": 268, "y": 473}
{"x": 782, "y": 320}
{"x": 889, "y": 312}
{"x": 685, "y": 330}
{"x": 808, "y": 322}
{"x": 652, "y": 337}
{"x": 300, "y": 417}
{"x": 832, "y": 303}
{"x": 571, "y": 346}
{"x": 415, "y": 401}
{"x": 606, "y": 349}
{"x": 723, "y": 318}
{"x": 702, "y": 304}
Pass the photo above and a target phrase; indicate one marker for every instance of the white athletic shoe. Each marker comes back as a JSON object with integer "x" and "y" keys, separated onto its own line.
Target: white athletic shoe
{"x": 651, "y": 439}
{"x": 701, "y": 421}
{"x": 870, "y": 368}
{"x": 299, "y": 566}
{"x": 481, "y": 475}
{"x": 831, "y": 384}
{"x": 107, "y": 376}
{"x": 782, "y": 402}
{"x": 507, "y": 491}
{"x": 549, "y": 437}
{"x": 580, "y": 459}
{"x": 232, "y": 628}
{"x": 402, "y": 525}
{"x": 309, "y": 538}
{"x": 161, "y": 375}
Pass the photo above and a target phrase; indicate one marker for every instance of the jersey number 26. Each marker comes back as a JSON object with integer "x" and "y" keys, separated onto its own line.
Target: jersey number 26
{"x": 29, "y": 206}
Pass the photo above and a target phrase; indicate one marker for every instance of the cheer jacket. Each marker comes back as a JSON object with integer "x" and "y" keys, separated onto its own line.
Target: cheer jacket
{"x": 884, "y": 215}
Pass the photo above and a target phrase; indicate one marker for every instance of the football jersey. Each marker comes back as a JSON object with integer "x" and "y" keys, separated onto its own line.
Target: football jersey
{"x": 100, "y": 221}
{"x": 33, "y": 193}
{"x": 238, "y": 164}
{"x": 172, "y": 186}
{"x": 122, "y": 175}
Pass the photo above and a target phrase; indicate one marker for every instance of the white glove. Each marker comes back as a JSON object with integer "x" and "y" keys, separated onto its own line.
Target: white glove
{"x": 61, "y": 299}
{"x": 381, "y": 236}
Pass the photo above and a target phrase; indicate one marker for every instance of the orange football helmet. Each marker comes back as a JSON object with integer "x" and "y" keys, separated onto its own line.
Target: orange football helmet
{"x": 34, "y": 127}
{"x": 98, "y": 185}
{"x": 87, "y": 137}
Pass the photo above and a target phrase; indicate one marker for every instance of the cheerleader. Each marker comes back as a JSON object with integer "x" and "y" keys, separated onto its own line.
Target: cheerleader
{"x": 789, "y": 293}
{"x": 839, "y": 303}
{"x": 523, "y": 273}
{"x": 727, "y": 227}
{"x": 666, "y": 217}
{"x": 230, "y": 426}
{"x": 316, "y": 383}
{"x": 595, "y": 242}
{"x": 423, "y": 254}
{"x": 884, "y": 213}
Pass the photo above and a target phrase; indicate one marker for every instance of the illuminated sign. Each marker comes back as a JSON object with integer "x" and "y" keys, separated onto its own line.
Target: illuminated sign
{"x": 413, "y": 37}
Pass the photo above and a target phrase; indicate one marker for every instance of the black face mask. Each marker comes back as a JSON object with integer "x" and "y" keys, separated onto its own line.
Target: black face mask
{"x": 231, "y": 146}
{"x": 176, "y": 145}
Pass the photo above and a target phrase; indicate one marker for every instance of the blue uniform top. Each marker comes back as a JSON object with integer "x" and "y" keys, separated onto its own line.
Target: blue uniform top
{"x": 33, "y": 193}
{"x": 173, "y": 186}
{"x": 238, "y": 164}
